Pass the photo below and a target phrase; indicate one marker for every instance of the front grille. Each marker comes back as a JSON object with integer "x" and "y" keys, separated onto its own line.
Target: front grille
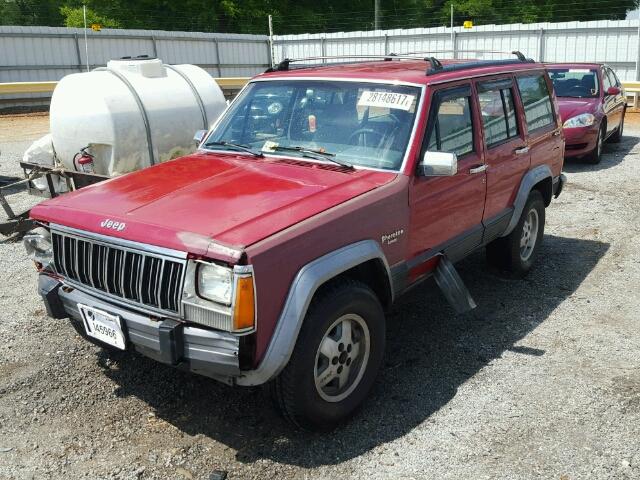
{"x": 133, "y": 275}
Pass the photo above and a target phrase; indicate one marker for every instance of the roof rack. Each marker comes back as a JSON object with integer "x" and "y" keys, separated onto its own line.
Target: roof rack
{"x": 435, "y": 66}
{"x": 285, "y": 64}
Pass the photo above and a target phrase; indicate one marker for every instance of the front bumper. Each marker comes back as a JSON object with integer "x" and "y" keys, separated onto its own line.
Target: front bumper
{"x": 206, "y": 352}
{"x": 580, "y": 141}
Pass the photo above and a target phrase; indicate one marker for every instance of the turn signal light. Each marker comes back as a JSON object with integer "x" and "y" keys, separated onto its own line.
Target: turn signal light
{"x": 244, "y": 313}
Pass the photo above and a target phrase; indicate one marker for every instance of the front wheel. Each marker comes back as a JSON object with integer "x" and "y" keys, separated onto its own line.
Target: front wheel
{"x": 336, "y": 358}
{"x": 596, "y": 154}
{"x": 516, "y": 253}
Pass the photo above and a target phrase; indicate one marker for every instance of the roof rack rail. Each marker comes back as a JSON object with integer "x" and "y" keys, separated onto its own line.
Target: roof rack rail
{"x": 285, "y": 64}
{"x": 520, "y": 56}
{"x": 435, "y": 66}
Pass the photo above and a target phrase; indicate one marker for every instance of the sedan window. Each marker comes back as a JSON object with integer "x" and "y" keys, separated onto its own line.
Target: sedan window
{"x": 575, "y": 82}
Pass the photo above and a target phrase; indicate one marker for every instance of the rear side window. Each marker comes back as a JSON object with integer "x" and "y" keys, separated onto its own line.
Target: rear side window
{"x": 536, "y": 99}
{"x": 608, "y": 83}
{"x": 498, "y": 112}
{"x": 614, "y": 78}
{"x": 453, "y": 127}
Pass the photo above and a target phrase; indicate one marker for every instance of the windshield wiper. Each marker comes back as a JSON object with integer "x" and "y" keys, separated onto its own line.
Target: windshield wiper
{"x": 311, "y": 153}
{"x": 237, "y": 146}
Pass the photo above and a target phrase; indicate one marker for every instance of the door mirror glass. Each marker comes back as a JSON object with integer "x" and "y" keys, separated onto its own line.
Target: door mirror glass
{"x": 613, "y": 91}
{"x": 438, "y": 164}
{"x": 199, "y": 136}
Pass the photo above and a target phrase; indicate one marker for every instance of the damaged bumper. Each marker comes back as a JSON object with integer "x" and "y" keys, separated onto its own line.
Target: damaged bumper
{"x": 206, "y": 352}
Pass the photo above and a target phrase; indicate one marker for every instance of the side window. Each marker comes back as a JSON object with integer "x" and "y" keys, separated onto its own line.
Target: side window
{"x": 453, "y": 128}
{"x": 614, "y": 79}
{"x": 498, "y": 112}
{"x": 606, "y": 80}
{"x": 536, "y": 99}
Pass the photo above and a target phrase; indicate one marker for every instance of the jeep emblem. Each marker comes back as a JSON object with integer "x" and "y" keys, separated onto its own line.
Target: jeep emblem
{"x": 118, "y": 226}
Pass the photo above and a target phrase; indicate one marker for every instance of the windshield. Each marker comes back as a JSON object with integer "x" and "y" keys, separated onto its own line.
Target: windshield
{"x": 575, "y": 82}
{"x": 353, "y": 123}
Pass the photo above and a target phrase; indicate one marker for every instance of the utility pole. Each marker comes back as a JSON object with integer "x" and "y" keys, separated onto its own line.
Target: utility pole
{"x": 86, "y": 45}
{"x": 376, "y": 14}
{"x": 452, "y": 26}
{"x": 271, "y": 51}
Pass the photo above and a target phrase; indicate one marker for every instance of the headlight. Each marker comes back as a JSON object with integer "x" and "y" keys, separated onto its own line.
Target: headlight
{"x": 215, "y": 283}
{"x": 582, "y": 120}
{"x": 38, "y": 245}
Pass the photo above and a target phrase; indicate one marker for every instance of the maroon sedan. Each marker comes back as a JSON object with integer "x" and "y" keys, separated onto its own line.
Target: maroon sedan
{"x": 592, "y": 106}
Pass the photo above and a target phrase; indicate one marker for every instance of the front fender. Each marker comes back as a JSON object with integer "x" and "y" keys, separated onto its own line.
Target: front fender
{"x": 305, "y": 284}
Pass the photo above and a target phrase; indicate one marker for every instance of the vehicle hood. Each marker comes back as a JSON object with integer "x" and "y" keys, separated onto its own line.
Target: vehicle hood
{"x": 207, "y": 203}
{"x": 570, "y": 107}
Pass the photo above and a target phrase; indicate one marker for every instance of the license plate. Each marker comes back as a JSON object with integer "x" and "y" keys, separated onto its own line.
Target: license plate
{"x": 102, "y": 326}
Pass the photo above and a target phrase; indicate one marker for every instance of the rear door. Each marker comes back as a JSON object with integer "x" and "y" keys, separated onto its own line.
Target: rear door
{"x": 543, "y": 129}
{"x": 613, "y": 104}
{"x": 506, "y": 151}
{"x": 446, "y": 212}
{"x": 610, "y": 103}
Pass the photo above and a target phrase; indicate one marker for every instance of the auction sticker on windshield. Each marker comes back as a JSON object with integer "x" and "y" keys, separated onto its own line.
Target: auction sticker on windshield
{"x": 398, "y": 101}
{"x": 102, "y": 326}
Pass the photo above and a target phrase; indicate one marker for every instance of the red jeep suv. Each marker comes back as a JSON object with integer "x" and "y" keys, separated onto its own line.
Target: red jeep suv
{"x": 322, "y": 194}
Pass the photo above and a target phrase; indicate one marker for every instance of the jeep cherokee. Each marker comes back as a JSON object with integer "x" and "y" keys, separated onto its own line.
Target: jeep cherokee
{"x": 322, "y": 194}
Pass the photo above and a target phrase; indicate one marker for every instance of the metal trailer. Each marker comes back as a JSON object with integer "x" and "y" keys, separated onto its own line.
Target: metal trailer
{"x": 19, "y": 223}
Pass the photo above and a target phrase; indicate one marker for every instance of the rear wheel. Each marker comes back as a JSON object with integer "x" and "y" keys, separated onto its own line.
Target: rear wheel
{"x": 596, "y": 155}
{"x": 336, "y": 358}
{"x": 516, "y": 253}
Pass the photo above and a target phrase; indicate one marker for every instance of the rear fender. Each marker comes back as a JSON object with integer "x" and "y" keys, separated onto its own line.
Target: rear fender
{"x": 530, "y": 180}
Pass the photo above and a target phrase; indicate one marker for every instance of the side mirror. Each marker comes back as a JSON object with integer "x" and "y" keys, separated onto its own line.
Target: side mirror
{"x": 438, "y": 164}
{"x": 613, "y": 91}
{"x": 199, "y": 136}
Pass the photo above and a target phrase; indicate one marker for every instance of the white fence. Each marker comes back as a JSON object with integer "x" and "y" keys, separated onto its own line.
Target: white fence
{"x": 611, "y": 42}
{"x": 47, "y": 53}
{"x": 30, "y": 54}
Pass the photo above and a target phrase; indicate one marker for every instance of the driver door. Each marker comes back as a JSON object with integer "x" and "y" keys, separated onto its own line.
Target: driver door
{"x": 446, "y": 212}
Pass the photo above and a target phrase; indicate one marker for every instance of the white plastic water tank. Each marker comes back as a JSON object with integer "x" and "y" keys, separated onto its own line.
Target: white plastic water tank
{"x": 133, "y": 113}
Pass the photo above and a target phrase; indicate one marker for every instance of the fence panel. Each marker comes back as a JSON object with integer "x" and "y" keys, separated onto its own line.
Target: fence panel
{"x": 49, "y": 53}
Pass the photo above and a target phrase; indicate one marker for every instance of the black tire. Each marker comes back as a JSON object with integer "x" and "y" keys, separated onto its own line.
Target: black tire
{"x": 617, "y": 136}
{"x": 295, "y": 391}
{"x": 505, "y": 253}
{"x": 596, "y": 154}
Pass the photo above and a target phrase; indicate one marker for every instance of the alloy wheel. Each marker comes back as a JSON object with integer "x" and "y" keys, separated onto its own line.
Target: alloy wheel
{"x": 342, "y": 357}
{"x": 529, "y": 235}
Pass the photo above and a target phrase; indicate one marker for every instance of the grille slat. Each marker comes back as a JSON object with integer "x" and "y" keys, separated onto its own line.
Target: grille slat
{"x": 134, "y": 275}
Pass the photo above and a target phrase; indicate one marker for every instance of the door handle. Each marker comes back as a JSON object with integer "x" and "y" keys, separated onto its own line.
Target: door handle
{"x": 521, "y": 150}
{"x": 479, "y": 168}
{"x": 556, "y": 133}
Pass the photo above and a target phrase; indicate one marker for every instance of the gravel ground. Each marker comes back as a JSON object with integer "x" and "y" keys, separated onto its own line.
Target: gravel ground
{"x": 541, "y": 381}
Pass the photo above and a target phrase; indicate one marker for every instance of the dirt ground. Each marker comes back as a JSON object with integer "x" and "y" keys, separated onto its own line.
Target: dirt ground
{"x": 542, "y": 380}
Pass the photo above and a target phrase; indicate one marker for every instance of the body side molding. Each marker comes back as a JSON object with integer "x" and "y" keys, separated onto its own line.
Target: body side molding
{"x": 304, "y": 285}
{"x": 532, "y": 177}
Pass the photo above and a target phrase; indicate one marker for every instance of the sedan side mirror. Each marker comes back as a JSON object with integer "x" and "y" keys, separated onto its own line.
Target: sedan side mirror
{"x": 199, "y": 136}
{"x": 613, "y": 91}
{"x": 438, "y": 164}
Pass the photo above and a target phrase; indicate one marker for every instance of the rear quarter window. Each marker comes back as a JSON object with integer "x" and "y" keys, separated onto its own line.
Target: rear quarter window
{"x": 536, "y": 100}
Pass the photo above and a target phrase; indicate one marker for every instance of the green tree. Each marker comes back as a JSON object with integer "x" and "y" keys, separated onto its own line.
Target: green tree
{"x": 301, "y": 16}
{"x": 74, "y": 17}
